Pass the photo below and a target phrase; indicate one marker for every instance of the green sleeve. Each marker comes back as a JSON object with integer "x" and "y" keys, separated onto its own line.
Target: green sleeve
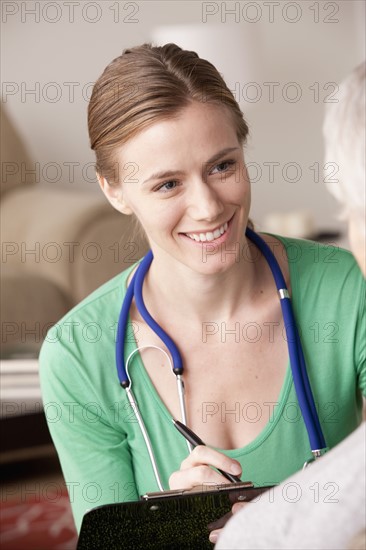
{"x": 92, "y": 448}
{"x": 361, "y": 351}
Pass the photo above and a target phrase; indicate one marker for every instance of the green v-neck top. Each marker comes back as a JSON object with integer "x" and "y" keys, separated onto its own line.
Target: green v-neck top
{"x": 102, "y": 452}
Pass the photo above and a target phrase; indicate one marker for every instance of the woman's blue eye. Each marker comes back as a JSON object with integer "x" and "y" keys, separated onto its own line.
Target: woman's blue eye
{"x": 167, "y": 186}
{"x": 223, "y": 166}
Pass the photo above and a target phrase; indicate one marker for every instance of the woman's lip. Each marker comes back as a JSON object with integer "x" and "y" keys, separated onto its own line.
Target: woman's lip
{"x": 217, "y": 241}
{"x": 198, "y": 232}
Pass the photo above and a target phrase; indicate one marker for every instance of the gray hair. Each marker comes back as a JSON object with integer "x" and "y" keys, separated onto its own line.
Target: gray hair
{"x": 344, "y": 133}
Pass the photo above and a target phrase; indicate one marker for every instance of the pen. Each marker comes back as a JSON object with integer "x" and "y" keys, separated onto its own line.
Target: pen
{"x": 195, "y": 440}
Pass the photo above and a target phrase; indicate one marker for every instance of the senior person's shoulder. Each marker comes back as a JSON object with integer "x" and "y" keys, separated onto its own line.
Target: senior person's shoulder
{"x": 278, "y": 521}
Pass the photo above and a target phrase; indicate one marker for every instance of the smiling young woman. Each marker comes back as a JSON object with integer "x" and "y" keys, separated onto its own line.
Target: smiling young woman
{"x": 191, "y": 187}
{"x": 168, "y": 137}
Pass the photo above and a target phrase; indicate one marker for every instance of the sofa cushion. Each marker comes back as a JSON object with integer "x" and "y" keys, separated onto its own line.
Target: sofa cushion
{"x": 30, "y": 304}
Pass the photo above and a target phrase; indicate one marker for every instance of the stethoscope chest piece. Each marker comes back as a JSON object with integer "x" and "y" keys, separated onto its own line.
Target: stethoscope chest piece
{"x": 297, "y": 360}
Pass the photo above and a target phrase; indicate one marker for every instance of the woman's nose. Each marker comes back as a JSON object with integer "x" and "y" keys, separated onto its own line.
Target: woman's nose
{"x": 204, "y": 201}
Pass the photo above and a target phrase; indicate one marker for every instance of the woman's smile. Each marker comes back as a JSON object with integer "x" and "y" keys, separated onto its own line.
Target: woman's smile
{"x": 216, "y": 236}
{"x": 191, "y": 187}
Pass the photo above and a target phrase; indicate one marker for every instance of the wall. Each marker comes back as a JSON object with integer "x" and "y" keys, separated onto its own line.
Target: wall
{"x": 293, "y": 53}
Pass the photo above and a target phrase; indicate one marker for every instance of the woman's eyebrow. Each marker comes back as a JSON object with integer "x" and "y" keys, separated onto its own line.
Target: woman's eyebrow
{"x": 171, "y": 173}
{"x": 220, "y": 154}
{"x": 163, "y": 174}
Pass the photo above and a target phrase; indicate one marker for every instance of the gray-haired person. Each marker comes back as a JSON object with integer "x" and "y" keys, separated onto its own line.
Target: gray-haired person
{"x": 324, "y": 506}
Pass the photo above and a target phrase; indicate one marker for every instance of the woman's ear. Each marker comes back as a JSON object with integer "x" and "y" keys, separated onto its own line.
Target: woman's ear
{"x": 114, "y": 195}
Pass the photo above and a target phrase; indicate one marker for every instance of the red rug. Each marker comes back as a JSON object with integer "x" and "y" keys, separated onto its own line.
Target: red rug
{"x": 37, "y": 524}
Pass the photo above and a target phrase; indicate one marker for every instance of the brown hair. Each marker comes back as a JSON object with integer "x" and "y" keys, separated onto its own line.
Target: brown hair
{"x": 147, "y": 84}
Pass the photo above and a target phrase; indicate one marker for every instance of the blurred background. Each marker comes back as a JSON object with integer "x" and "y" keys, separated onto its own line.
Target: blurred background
{"x": 60, "y": 239}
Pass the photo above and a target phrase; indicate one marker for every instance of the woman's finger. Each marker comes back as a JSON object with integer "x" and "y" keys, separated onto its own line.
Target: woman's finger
{"x": 205, "y": 455}
{"x": 198, "y": 475}
{"x": 214, "y": 535}
{"x": 238, "y": 506}
{"x": 220, "y": 522}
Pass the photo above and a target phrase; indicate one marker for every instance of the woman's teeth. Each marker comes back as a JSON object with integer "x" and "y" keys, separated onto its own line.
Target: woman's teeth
{"x": 210, "y": 235}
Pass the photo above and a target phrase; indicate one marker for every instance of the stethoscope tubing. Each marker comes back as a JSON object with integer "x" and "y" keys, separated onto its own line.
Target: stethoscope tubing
{"x": 297, "y": 359}
{"x": 299, "y": 375}
{"x": 170, "y": 344}
{"x": 121, "y": 333}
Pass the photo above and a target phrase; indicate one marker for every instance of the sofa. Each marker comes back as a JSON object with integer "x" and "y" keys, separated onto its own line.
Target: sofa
{"x": 58, "y": 244}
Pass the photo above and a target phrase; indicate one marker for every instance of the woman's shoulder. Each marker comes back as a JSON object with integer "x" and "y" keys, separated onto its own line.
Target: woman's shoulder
{"x": 323, "y": 276}
{"x": 93, "y": 320}
{"x": 314, "y": 255}
{"x": 109, "y": 292}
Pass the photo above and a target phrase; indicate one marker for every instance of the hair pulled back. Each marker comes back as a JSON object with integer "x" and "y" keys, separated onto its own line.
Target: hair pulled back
{"x": 147, "y": 84}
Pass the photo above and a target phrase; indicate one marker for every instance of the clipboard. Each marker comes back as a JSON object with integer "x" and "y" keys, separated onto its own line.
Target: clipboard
{"x": 173, "y": 519}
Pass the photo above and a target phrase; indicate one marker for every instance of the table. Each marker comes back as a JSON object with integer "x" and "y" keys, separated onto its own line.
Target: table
{"x": 24, "y": 428}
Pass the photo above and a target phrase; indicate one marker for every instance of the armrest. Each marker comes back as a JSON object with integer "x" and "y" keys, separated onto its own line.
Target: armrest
{"x": 74, "y": 238}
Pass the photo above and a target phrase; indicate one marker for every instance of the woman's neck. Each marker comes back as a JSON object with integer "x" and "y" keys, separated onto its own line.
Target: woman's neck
{"x": 200, "y": 296}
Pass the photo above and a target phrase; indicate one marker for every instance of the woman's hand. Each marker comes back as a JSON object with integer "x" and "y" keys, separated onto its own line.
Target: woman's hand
{"x": 197, "y": 469}
{"x": 214, "y": 535}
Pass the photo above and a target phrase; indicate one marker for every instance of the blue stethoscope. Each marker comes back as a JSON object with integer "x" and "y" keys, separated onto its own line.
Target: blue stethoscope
{"x": 297, "y": 360}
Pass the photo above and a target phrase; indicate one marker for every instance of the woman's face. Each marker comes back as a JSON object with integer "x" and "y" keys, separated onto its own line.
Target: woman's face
{"x": 185, "y": 179}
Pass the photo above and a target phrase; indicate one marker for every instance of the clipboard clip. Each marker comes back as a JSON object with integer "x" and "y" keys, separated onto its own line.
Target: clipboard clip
{"x": 198, "y": 490}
